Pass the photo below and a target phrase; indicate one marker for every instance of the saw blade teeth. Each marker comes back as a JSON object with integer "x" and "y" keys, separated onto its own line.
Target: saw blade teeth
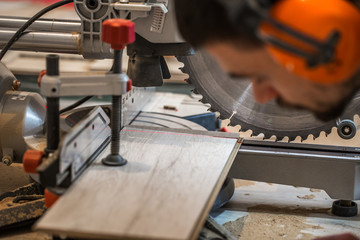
{"x": 325, "y": 134}
{"x": 204, "y": 100}
{"x": 318, "y": 135}
{"x": 183, "y": 70}
{"x": 222, "y": 117}
{"x": 284, "y": 139}
{"x": 211, "y": 110}
{"x": 231, "y": 125}
{"x": 195, "y": 91}
{"x": 273, "y": 138}
{"x": 261, "y": 136}
{"x": 297, "y": 139}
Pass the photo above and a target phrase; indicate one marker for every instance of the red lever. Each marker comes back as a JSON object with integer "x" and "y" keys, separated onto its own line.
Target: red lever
{"x": 50, "y": 198}
{"x": 118, "y": 33}
{"x": 129, "y": 85}
{"x": 32, "y": 159}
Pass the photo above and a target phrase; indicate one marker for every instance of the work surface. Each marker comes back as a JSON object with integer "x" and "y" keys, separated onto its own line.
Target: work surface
{"x": 164, "y": 192}
{"x": 265, "y": 211}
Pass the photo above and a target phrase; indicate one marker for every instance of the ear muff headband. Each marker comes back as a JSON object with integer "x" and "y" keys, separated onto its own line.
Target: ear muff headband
{"x": 335, "y": 24}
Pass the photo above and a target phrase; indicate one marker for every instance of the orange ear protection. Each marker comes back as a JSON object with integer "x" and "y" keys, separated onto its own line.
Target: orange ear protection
{"x": 316, "y": 39}
{"x": 325, "y": 44}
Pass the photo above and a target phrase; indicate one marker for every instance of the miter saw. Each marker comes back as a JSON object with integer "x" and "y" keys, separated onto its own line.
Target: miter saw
{"x": 22, "y": 117}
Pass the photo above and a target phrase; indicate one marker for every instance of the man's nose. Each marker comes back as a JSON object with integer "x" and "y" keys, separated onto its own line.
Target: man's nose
{"x": 263, "y": 91}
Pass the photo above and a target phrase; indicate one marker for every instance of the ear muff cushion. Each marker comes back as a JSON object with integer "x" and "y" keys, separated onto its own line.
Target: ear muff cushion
{"x": 318, "y": 18}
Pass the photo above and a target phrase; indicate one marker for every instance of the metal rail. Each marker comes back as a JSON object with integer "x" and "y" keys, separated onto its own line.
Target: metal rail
{"x": 44, "y": 35}
{"x": 333, "y": 169}
{"x": 44, "y": 42}
{"x": 42, "y": 25}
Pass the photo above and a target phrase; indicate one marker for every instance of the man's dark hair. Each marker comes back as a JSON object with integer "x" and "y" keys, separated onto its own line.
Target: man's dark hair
{"x": 206, "y": 21}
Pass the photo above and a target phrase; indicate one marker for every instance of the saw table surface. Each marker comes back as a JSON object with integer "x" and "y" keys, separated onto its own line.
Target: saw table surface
{"x": 164, "y": 192}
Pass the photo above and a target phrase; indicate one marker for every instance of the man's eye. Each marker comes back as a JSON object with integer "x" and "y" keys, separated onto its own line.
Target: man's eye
{"x": 238, "y": 77}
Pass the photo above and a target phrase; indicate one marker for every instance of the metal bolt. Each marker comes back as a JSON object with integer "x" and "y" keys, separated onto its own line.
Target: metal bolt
{"x": 92, "y": 4}
{"x": 7, "y": 160}
{"x": 347, "y": 129}
{"x": 114, "y": 159}
{"x": 16, "y": 85}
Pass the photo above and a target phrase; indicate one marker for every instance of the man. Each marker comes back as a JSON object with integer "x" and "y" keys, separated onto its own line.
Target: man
{"x": 321, "y": 74}
{"x": 241, "y": 52}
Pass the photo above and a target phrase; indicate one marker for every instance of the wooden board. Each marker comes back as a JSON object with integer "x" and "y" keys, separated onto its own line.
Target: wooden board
{"x": 164, "y": 192}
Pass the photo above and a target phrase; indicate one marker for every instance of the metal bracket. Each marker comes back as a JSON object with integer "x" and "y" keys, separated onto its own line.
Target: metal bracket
{"x": 77, "y": 150}
{"x": 141, "y": 10}
{"x": 107, "y": 84}
{"x": 83, "y": 140}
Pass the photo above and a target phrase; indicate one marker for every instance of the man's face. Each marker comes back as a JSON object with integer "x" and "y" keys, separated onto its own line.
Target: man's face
{"x": 271, "y": 81}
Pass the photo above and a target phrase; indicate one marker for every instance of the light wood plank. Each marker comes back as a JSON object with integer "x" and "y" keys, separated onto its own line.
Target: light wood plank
{"x": 164, "y": 192}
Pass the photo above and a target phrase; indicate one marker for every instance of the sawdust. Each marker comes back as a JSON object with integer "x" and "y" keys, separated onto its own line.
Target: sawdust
{"x": 36, "y": 213}
{"x": 12, "y": 177}
{"x": 235, "y": 227}
{"x": 308, "y": 197}
{"x": 267, "y": 222}
{"x": 6, "y": 202}
{"x": 243, "y": 183}
{"x": 271, "y": 226}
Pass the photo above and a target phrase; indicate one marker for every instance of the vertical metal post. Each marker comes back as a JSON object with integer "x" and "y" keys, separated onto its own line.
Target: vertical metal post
{"x": 116, "y": 109}
{"x": 114, "y": 159}
{"x": 52, "y": 112}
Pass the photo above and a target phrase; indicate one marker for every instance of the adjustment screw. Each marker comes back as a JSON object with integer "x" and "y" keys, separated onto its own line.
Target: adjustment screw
{"x": 16, "y": 85}
{"x": 7, "y": 160}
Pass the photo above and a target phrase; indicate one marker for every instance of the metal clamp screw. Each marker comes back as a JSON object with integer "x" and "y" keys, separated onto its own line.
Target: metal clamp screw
{"x": 7, "y": 160}
{"x": 16, "y": 85}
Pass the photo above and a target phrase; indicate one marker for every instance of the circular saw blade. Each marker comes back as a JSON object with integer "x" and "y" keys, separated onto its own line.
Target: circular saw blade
{"x": 234, "y": 100}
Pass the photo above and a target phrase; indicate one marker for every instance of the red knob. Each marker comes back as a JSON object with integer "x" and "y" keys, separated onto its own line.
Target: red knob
{"x": 118, "y": 33}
